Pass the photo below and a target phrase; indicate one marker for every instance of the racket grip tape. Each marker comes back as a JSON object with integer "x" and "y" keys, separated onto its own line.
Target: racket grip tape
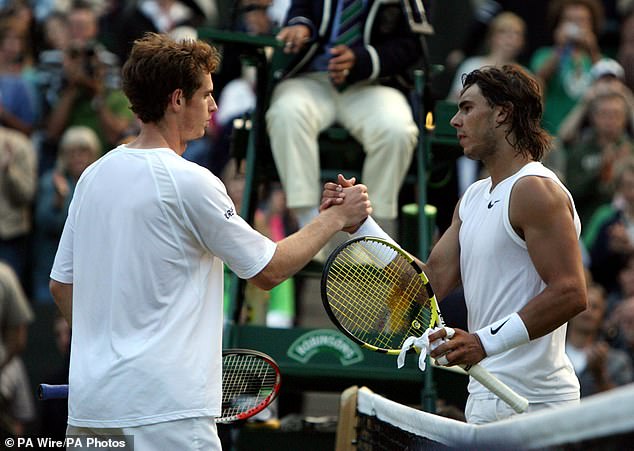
{"x": 496, "y": 386}
{"x": 46, "y": 391}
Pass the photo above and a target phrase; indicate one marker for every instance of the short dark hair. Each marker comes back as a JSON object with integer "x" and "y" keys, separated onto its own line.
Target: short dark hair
{"x": 158, "y": 65}
{"x": 511, "y": 87}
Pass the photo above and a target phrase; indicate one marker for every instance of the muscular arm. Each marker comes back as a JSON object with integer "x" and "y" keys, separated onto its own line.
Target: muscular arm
{"x": 443, "y": 264}
{"x": 541, "y": 213}
{"x": 63, "y": 295}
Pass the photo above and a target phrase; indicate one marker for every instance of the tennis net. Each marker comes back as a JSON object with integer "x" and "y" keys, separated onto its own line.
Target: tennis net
{"x": 369, "y": 422}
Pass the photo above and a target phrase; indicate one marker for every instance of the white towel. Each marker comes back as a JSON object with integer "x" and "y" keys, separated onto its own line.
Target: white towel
{"x": 422, "y": 345}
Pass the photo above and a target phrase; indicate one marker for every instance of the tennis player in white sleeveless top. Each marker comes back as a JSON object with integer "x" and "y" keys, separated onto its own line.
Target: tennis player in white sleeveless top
{"x": 512, "y": 244}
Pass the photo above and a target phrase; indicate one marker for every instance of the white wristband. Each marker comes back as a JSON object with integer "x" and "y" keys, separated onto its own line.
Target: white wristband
{"x": 371, "y": 228}
{"x": 503, "y": 335}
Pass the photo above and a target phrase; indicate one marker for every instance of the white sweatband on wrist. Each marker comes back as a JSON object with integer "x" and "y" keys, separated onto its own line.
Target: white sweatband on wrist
{"x": 503, "y": 335}
{"x": 371, "y": 228}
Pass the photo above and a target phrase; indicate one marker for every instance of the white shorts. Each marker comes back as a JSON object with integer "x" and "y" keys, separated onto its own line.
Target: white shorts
{"x": 481, "y": 411}
{"x": 188, "y": 434}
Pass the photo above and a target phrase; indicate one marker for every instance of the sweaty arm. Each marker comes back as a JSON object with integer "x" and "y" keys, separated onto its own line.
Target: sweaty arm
{"x": 541, "y": 213}
{"x": 63, "y": 296}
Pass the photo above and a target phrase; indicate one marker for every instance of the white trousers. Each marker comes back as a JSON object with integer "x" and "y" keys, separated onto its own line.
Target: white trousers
{"x": 482, "y": 411}
{"x": 379, "y": 117}
{"x": 195, "y": 434}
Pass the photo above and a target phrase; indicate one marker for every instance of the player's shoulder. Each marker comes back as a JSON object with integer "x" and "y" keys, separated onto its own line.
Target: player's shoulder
{"x": 190, "y": 175}
{"x": 536, "y": 198}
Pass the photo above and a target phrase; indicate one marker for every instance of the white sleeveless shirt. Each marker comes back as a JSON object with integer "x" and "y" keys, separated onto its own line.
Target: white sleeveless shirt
{"x": 499, "y": 278}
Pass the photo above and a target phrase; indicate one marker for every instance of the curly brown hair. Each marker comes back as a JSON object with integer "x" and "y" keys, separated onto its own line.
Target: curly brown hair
{"x": 511, "y": 87}
{"x": 158, "y": 65}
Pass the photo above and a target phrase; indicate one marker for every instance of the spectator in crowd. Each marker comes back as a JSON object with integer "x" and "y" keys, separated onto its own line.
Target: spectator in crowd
{"x": 237, "y": 98}
{"x": 82, "y": 86}
{"x": 335, "y": 78}
{"x": 79, "y": 147}
{"x": 485, "y": 11}
{"x": 16, "y": 100}
{"x": 607, "y": 75}
{"x": 54, "y": 32}
{"x": 505, "y": 40}
{"x": 16, "y": 406}
{"x": 591, "y": 160}
{"x": 598, "y": 366}
{"x": 624, "y": 290}
{"x": 564, "y": 68}
{"x": 159, "y": 16}
{"x": 18, "y": 173}
{"x": 623, "y": 318}
{"x": 614, "y": 244}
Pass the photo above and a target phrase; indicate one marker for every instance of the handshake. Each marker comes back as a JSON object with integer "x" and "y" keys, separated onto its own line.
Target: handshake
{"x": 352, "y": 201}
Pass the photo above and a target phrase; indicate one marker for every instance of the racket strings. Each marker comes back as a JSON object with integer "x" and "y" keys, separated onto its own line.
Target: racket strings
{"x": 247, "y": 382}
{"x": 371, "y": 291}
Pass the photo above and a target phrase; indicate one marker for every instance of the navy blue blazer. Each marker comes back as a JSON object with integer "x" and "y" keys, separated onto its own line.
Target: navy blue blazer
{"x": 389, "y": 49}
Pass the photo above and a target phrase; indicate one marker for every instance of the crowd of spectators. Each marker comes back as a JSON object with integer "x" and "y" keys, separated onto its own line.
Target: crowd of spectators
{"x": 62, "y": 107}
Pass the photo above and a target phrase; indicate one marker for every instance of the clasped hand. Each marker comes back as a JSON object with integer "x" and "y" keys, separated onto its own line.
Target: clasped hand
{"x": 346, "y": 194}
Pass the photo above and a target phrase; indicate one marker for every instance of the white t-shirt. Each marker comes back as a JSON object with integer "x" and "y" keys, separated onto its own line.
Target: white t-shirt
{"x": 499, "y": 279}
{"x": 144, "y": 244}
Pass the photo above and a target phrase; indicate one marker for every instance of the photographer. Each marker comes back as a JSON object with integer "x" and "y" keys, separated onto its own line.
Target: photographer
{"x": 564, "y": 68}
{"x": 81, "y": 86}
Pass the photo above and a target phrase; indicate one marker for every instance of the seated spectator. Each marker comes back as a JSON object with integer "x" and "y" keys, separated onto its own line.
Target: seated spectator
{"x": 15, "y": 316}
{"x": 343, "y": 78}
{"x": 505, "y": 40}
{"x": 599, "y": 367}
{"x": 591, "y": 160}
{"x": 564, "y": 68}
{"x": 607, "y": 76}
{"x": 623, "y": 318}
{"x": 158, "y": 16}
{"x": 237, "y": 98}
{"x": 624, "y": 290}
{"x": 79, "y": 147}
{"x": 18, "y": 172}
{"x": 614, "y": 244}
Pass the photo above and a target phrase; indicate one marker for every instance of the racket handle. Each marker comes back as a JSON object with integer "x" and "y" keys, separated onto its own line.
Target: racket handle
{"x": 46, "y": 391}
{"x": 496, "y": 386}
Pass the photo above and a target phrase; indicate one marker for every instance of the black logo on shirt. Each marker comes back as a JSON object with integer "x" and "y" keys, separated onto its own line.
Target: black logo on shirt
{"x": 229, "y": 213}
{"x": 492, "y": 203}
{"x": 497, "y": 329}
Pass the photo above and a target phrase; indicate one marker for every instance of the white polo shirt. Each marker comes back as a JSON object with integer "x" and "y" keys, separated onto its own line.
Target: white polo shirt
{"x": 143, "y": 246}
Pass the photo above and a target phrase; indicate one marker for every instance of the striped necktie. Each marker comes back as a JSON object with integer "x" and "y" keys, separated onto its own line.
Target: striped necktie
{"x": 350, "y": 23}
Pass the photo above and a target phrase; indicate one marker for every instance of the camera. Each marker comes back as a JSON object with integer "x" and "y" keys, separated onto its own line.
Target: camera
{"x": 86, "y": 55}
{"x": 572, "y": 32}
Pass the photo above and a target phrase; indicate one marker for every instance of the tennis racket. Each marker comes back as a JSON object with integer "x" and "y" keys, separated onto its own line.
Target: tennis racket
{"x": 250, "y": 382}
{"x": 367, "y": 287}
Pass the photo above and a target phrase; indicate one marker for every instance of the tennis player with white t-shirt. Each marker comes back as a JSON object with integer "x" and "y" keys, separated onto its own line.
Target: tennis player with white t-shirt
{"x": 139, "y": 268}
